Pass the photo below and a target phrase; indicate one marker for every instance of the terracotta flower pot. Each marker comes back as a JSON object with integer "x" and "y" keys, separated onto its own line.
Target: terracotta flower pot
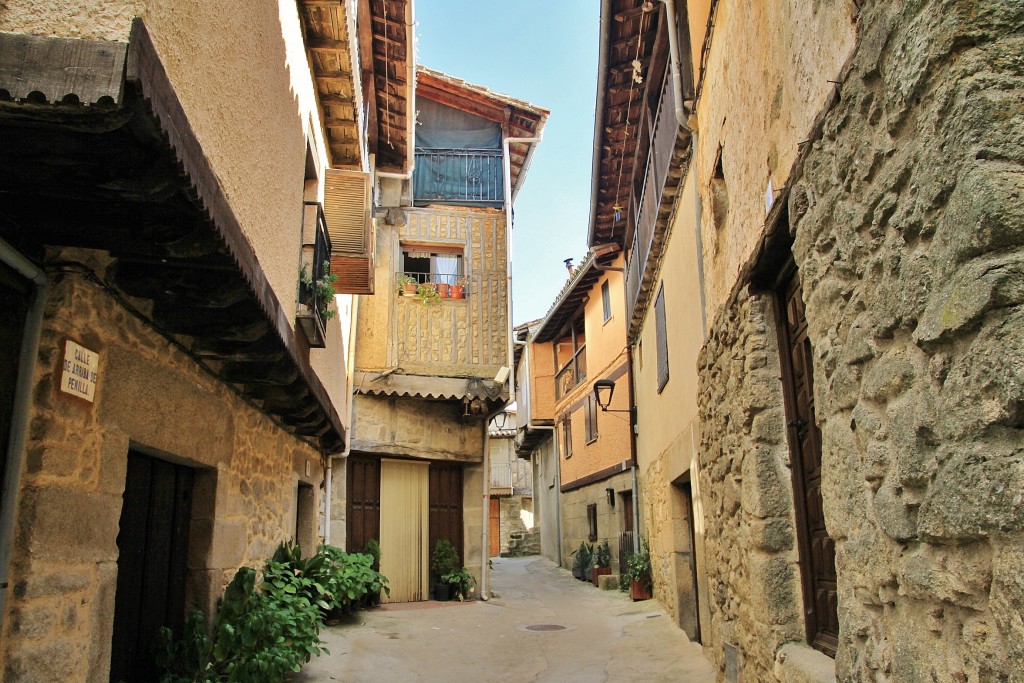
{"x": 409, "y": 289}
{"x": 455, "y": 291}
{"x": 639, "y": 591}
{"x": 442, "y": 290}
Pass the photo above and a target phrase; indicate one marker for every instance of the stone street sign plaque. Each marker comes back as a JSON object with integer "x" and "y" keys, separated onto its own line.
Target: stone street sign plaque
{"x": 80, "y": 371}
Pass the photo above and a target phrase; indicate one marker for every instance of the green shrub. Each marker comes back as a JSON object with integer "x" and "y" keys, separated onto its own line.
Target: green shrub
{"x": 461, "y": 579}
{"x": 261, "y": 634}
{"x": 444, "y": 559}
{"x": 258, "y": 635}
{"x": 638, "y": 565}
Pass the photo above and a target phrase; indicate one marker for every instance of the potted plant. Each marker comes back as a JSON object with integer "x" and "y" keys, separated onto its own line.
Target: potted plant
{"x": 427, "y": 293}
{"x": 461, "y": 581}
{"x": 443, "y": 561}
{"x": 443, "y": 290}
{"x": 372, "y": 548}
{"x": 602, "y": 562}
{"x": 407, "y": 285}
{"x": 456, "y": 290}
{"x": 582, "y": 560}
{"x": 638, "y": 572}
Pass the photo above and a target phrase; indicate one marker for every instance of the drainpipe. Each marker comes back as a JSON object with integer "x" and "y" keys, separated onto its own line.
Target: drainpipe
{"x": 677, "y": 78}
{"x": 507, "y": 168}
{"x": 22, "y": 401}
{"x": 486, "y": 505}
{"x": 632, "y": 446}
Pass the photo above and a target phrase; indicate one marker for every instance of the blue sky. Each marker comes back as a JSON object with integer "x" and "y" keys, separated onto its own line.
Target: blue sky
{"x": 544, "y": 52}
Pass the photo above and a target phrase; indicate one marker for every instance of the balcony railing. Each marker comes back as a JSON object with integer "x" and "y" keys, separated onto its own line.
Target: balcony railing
{"x": 645, "y": 204}
{"x": 513, "y": 476}
{"x": 315, "y": 270}
{"x": 472, "y": 176}
{"x": 569, "y": 377}
{"x": 446, "y": 286}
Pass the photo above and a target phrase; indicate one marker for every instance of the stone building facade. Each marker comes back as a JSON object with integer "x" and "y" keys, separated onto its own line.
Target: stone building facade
{"x": 580, "y": 341}
{"x": 823, "y": 322}
{"x": 166, "y": 416}
{"x": 431, "y": 366}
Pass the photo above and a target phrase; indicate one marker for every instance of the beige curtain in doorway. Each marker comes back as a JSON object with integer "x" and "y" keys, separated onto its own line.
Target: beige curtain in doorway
{"x": 404, "y": 510}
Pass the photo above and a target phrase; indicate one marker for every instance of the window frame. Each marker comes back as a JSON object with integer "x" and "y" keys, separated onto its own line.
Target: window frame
{"x": 606, "y": 301}
{"x": 661, "y": 334}
{"x": 592, "y": 522}
{"x": 590, "y": 415}
{"x": 567, "y": 437}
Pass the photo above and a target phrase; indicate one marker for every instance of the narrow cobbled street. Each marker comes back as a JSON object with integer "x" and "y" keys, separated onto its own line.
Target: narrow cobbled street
{"x": 540, "y": 626}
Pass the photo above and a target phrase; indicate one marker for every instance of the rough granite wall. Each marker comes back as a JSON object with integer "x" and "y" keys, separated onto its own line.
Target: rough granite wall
{"x": 910, "y": 240}
{"x": 150, "y": 397}
{"x": 750, "y": 542}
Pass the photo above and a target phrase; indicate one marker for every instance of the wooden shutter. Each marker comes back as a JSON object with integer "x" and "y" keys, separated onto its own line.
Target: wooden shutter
{"x": 662, "y": 338}
{"x": 347, "y": 212}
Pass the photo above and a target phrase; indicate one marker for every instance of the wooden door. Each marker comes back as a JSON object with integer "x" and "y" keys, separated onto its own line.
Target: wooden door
{"x": 15, "y": 295}
{"x": 494, "y": 528}
{"x": 151, "y": 566}
{"x": 404, "y": 533}
{"x": 817, "y": 549}
{"x": 446, "y": 505}
{"x": 363, "y": 504}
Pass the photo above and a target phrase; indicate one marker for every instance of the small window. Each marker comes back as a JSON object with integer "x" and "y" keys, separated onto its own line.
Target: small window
{"x": 592, "y": 522}
{"x": 567, "y": 437}
{"x": 662, "y": 334}
{"x": 591, "y": 418}
{"x": 606, "y": 301}
{"x": 433, "y": 263}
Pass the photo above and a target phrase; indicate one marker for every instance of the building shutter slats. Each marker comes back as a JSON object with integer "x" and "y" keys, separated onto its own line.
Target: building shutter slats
{"x": 347, "y": 212}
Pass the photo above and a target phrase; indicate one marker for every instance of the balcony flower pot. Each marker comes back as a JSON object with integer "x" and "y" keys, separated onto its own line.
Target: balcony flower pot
{"x": 443, "y": 290}
{"x": 456, "y": 291}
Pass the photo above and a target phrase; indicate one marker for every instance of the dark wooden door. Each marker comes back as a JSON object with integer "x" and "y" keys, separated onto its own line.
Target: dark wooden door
{"x": 363, "y": 490}
{"x": 817, "y": 549}
{"x": 446, "y": 505}
{"x": 15, "y": 295}
{"x": 151, "y": 566}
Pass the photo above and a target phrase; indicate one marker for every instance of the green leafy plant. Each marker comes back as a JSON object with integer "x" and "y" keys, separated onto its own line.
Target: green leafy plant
{"x": 427, "y": 293}
{"x": 265, "y": 628}
{"x": 404, "y": 280}
{"x": 638, "y": 565}
{"x": 444, "y": 559}
{"x": 603, "y": 555}
{"x": 373, "y": 550}
{"x": 322, "y": 289}
{"x": 582, "y": 557}
{"x": 461, "y": 579}
{"x": 258, "y": 635}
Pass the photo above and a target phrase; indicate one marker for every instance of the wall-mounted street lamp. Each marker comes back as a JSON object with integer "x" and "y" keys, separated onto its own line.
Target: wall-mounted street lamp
{"x": 604, "y": 389}
{"x": 503, "y": 416}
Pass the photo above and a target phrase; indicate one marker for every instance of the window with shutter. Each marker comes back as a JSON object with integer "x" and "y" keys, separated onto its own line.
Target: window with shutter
{"x": 591, "y": 418}
{"x": 347, "y": 212}
{"x": 662, "y": 338}
{"x": 567, "y": 437}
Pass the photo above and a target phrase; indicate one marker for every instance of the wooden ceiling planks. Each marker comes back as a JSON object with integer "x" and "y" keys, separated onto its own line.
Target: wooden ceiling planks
{"x": 632, "y": 35}
{"x": 391, "y": 47}
{"x": 329, "y": 45}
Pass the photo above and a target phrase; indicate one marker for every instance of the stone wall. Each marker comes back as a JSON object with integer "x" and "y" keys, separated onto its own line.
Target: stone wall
{"x": 150, "y": 398}
{"x": 575, "y": 527}
{"x": 750, "y": 542}
{"x": 909, "y": 225}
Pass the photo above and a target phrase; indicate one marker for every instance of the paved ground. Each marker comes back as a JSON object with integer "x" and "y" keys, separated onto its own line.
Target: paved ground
{"x": 606, "y": 637}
